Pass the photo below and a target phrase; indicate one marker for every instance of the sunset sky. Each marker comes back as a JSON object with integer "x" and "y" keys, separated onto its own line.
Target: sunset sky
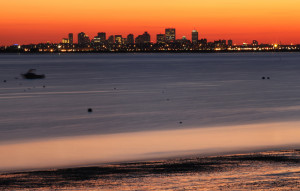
{"x": 34, "y": 21}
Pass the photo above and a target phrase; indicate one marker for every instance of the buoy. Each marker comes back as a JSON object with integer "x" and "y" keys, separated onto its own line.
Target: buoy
{"x": 268, "y": 78}
{"x": 180, "y": 122}
{"x": 263, "y": 78}
{"x": 90, "y": 110}
{"x": 4, "y": 81}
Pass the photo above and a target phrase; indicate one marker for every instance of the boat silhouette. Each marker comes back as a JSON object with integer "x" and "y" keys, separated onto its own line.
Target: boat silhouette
{"x": 32, "y": 75}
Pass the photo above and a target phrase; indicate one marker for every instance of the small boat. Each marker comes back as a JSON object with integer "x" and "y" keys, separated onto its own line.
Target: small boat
{"x": 31, "y": 75}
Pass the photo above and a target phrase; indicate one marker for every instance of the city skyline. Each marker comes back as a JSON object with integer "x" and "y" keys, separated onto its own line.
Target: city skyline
{"x": 266, "y": 21}
{"x": 188, "y": 36}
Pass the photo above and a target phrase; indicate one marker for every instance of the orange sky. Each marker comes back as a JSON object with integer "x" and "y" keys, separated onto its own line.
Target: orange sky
{"x": 34, "y": 21}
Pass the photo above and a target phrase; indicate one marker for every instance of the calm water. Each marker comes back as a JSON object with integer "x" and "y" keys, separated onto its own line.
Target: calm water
{"x": 145, "y": 93}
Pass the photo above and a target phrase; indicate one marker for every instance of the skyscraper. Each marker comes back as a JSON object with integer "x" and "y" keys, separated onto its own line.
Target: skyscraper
{"x": 111, "y": 39}
{"x": 160, "y": 38}
{"x": 230, "y": 42}
{"x": 143, "y": 39}
{"x": 146, "y": 37}
{"x": 118, "y": 39}
{"x": 194, "y": 37}
{"x": 255, "y": 43}
{"x": 102, "y": 36}
{"x": 96, "y": 40}
{"x": 130, "y": 39}
{"x": 70, "y": 38}
{"x": 170, "y": 34}
{"x": 65, "y": 41}
{"x": 83, "y": 39}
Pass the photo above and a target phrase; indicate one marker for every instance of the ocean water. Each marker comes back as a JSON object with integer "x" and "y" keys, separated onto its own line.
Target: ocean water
{"x": 144, "y": 105}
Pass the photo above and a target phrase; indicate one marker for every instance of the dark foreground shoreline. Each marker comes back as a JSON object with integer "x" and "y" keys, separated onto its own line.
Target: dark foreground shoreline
{"x": 278, "y": 170}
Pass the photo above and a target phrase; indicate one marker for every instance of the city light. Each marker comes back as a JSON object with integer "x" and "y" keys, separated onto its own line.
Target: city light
{"x": 166, "y": 42}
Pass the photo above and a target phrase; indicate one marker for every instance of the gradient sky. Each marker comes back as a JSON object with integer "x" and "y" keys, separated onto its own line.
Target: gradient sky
{"x": 34, "y": 21}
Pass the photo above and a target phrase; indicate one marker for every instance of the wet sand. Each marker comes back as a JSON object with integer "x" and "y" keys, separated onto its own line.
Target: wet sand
{"x": 273, "y": 170}
{"x": 149, "y": 145}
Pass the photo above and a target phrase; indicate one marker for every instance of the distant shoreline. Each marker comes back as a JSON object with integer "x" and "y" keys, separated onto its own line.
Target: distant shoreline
{"x": 156, "y": 52}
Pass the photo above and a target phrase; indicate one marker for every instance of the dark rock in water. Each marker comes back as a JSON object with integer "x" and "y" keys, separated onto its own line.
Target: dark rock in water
{"x": 268, "y": 78}
{"x": 90, "y": 110}
{"x": 263, "y": 78}
{"x": 180, "y": 122}
{"x": 4, "y": 81}
{"x": 44, "y": 86}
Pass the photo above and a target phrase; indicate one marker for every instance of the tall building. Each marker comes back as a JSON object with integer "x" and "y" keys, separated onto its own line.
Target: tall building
{"x": 118, "y": 39}
{"x": 223, "y": 42}
{"x": 146, "y": 37}
{"x": 160, "y": 38}
{"x": 255, "y": 43}
{"x": 203, "y": 41}
{"x": 230, "y": 43}
{"x": 170, "y": 34}
{"x": 70, "y": 38}
{"x": 194, "y": 37}
{"x": 139, "y": 39}
{"x": 124, "y": 41}
{"x": 65, "y": 41}
{"x": 83, "y": 39}
{"x": 96, "y": 40}
{"x": 143, "y": 39}
{"x": 130, "y": 39}
{"x": 111, "y": 39}
{"x": 220, "y": 43}
{"x": 102, "y": 36}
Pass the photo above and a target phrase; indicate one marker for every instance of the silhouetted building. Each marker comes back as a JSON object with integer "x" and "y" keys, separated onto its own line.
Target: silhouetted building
{"x": 220, "y": 43}
{"x": 170, "y": 34}
{"x": 183, "y": 40}
{"x": 65, "y": 41}
{"x": 160, "y": 38}
{"x": 255, "y": 43}
{"x": 96, "y": 40}
{"x": 143, "y": 39}
{"x": 111, "y": 39}
{"x": 194, "y": 37}
{"x": 124, "y": 41}
{"x": 203, "y": 41}
{"x": 118, "y": 39}
{"x": 102, "y": 36}
{"x": 139, "y": 39}
{"x": 230, "y": 43}
{"x": 130, "y": 39}
{"x": 83, "y": 39}
{"x": 146, "y": 37}
{"x": 70, "y": 38}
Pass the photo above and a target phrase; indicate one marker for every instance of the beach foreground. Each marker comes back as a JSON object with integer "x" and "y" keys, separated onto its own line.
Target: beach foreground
{"x": 272, "y": 170}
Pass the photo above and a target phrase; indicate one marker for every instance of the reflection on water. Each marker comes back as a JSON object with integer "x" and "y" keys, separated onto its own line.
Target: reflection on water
{"x": 260, "y": 171}
{"x": 87, "y": 150}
